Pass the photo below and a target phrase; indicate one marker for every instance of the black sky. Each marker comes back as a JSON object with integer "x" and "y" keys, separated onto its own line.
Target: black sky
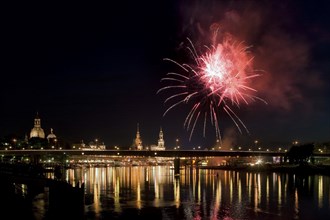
{"x": 92, "y": 70}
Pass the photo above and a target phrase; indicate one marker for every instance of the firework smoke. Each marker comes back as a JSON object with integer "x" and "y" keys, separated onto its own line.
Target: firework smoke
{"x": 278, "y": 48}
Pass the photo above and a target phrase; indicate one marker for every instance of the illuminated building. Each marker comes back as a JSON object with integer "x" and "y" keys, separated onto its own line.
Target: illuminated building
{"x": 92, "y": 145}
{"x": 138, "y": 140}
{"x": 51, "y": 137}
{"x": 96, "y": 145}
{"x": 80, "y": 145}
{"x": 37, "y": 131}
{"x": 161, "y": 142}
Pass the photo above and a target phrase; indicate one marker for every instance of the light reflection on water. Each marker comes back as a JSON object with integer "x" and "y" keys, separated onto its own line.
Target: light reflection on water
{"x": 202, "y": 193}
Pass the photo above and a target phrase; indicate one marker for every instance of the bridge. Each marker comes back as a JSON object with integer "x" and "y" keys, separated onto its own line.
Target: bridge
{"x": 148, "y": 153}
{"x": 144, "y": 153}
{"x": 36, "y": 154}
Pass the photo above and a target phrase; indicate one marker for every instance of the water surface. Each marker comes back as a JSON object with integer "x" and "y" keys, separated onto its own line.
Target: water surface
{"x": 153, "y": 191}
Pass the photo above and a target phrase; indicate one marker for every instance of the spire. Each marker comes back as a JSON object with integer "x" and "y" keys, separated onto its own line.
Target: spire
{"x": 161, "y": 142}
{"x": 137, "y": 131}
{"x": 138, "y": 141}
{"x": 160, "y": 134}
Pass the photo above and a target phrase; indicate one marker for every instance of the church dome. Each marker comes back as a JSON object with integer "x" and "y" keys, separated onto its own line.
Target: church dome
{"x": 37, "y": 131}
{"x": 51, "y": 135}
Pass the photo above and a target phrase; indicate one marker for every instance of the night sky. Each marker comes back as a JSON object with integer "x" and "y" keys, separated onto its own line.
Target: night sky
{"x": 92, "y": 70}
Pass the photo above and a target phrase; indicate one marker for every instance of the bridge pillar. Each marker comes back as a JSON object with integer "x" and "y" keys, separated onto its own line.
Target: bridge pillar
{"x": 283, "y": 159}
{"x": 177, "y": 166}
{"x": 35, "y": 159}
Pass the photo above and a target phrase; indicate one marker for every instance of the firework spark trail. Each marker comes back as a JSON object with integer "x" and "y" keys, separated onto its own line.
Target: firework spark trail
{"x": 219, "y": 77}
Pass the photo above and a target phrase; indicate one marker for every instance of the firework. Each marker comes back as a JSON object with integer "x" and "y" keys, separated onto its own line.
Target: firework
{"x": 218, "y": 80}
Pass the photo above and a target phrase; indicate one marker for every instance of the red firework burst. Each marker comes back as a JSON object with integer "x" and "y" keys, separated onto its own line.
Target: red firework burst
{"x": 219, "y": 79}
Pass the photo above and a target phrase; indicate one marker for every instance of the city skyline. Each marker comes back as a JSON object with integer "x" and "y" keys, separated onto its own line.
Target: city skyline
{"x": 93, "y": 71}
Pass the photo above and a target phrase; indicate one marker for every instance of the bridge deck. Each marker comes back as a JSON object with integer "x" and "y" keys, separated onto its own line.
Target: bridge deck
{"x": 165, "y": 153}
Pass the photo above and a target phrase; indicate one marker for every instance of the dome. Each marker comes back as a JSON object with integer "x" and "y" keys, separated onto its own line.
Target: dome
{"x": 51, "y": 135}
{"x": 37, "y": 132}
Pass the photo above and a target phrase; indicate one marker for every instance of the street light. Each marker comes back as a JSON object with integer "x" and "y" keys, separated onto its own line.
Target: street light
{"x": 177, "y": 146}
{"x": 14, "y": 142}
{"x": 96, "y": 144}
{"x": 255, "y": 143}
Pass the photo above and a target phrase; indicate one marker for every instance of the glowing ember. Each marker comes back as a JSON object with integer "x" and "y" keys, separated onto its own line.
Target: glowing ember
{"x": 220, "y": 79}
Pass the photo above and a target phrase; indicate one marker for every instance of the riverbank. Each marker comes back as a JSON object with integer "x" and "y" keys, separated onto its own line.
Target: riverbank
{"x": 306, "y": 169}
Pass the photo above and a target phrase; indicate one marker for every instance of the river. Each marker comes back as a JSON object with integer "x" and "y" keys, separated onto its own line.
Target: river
{"x": 153, "y": 192}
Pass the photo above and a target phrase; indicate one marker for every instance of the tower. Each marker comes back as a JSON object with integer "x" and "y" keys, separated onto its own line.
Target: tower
{"x": 138, "y": 141}
{"x": 161, "y": 142}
